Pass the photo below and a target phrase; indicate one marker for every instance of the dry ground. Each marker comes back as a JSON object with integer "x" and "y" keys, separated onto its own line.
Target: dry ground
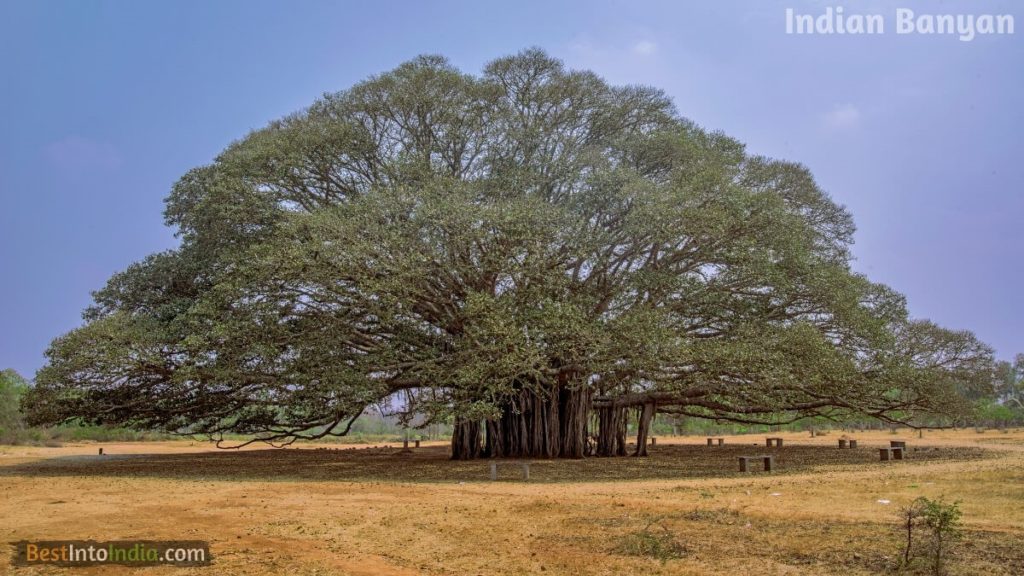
{"x": 309, "y": 511}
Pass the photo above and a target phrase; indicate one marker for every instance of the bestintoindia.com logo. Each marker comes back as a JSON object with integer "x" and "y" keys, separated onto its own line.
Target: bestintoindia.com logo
{"x": 72, "y": 553}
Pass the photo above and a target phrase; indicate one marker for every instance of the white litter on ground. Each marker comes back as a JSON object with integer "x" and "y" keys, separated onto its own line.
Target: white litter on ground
{"x": 883, "y": 502}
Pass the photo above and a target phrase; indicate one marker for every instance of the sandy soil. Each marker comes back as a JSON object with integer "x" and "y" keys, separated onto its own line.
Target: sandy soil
{"x": 316, "y": 510}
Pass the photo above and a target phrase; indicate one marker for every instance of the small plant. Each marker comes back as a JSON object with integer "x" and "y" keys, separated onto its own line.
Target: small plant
{"x": 911, "y": 516}
{"x": 651, "y": 542}
{"x": 942, "y": 522}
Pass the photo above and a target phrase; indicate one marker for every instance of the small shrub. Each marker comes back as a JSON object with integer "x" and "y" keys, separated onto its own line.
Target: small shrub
{"x": 654, "y": 541}
{"x": 942, "y": 523}
{"x": 911, "y": 517}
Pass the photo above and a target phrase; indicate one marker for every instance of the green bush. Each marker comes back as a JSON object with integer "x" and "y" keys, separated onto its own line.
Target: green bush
{"x": 941, "y": 523}
{"x": 12, "y": 387}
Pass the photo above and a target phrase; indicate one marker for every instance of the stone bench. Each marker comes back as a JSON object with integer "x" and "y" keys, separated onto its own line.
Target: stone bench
{"x": 843, "y": 443}
{"x": 769, "y": 462}
{"x": 525, "y": 465}
{"x": 711, "y": 441}
{"x": 777, "y": 441}
{"x": 885, "y": 454}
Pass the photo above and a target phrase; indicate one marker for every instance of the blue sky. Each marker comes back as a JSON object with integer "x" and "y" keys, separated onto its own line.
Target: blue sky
{"x": 103, "y": 105}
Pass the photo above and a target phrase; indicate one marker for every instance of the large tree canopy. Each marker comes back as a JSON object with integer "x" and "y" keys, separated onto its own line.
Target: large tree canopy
{"x": 530, "y": 253}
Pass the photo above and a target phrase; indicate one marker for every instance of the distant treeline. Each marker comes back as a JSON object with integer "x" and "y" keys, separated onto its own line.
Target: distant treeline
{"x": 377, "y": 425}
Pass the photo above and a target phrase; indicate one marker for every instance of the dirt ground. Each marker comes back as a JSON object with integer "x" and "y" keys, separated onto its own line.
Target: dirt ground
{"x": 326, "y": 510}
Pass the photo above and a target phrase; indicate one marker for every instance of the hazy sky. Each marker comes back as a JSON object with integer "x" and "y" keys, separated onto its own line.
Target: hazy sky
{"x": 103, "y": 105}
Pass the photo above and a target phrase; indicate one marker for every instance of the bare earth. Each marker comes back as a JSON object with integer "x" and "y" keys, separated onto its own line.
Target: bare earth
{"x": 311, "y": 511}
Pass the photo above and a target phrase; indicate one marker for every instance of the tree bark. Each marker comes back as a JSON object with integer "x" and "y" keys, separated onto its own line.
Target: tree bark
{"x": 611, "y": 431}
{"x": 532, "y": 425}
{"x": 573, "y": 407}
{"x": 466, "y": 440}
{"x": 643, "y": 427}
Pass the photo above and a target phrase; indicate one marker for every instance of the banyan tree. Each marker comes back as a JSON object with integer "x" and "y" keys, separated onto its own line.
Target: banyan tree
{"x": 531, "y": 254}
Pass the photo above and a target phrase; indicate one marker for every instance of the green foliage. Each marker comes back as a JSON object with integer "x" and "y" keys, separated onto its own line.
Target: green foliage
{"x": 78, "y": 433}
{"x": 14, "y": 430}
{"x": 457, "y": 241}
{"x": 943, "y": 520}
{"x": 996, "y": 414}
{"x": 12, "y": 388}
{"x": 1009, "y": 386}
{"x": 910, "y": 516}
{"x": 54, "y": 436}
{"x": 942, "y": 524}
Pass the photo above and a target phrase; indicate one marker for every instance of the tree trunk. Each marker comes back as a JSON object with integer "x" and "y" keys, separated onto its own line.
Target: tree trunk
{"x": 466, "y": 440}
{"x": 642, "y": 429}
{"x": 611, "y": 432}
{"x": 620, "y": 432}
{"x": 534, "y": 425}
{"x": 573, "y": 407}
{"x": 494, "y": 445}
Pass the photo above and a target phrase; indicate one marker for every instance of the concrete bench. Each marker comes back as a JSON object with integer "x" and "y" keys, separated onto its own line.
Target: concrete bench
{"x": 777, "y": 441}
{"x": 843, "y": 443}
{"x": 711, "y": 441}
{"x": 525, "y": 465}
{"x": 885, "y": 454}
{"x": 769, "y": 462}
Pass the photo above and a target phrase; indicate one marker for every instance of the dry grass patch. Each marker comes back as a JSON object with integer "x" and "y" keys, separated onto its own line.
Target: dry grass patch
{"x": 322, "y": 512}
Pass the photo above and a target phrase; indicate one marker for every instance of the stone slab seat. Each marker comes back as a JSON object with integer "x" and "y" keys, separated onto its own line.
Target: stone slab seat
{"x": 524, "y": 464}
{"x": 769, "y": 462}
{"x": 885, "y": 454}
